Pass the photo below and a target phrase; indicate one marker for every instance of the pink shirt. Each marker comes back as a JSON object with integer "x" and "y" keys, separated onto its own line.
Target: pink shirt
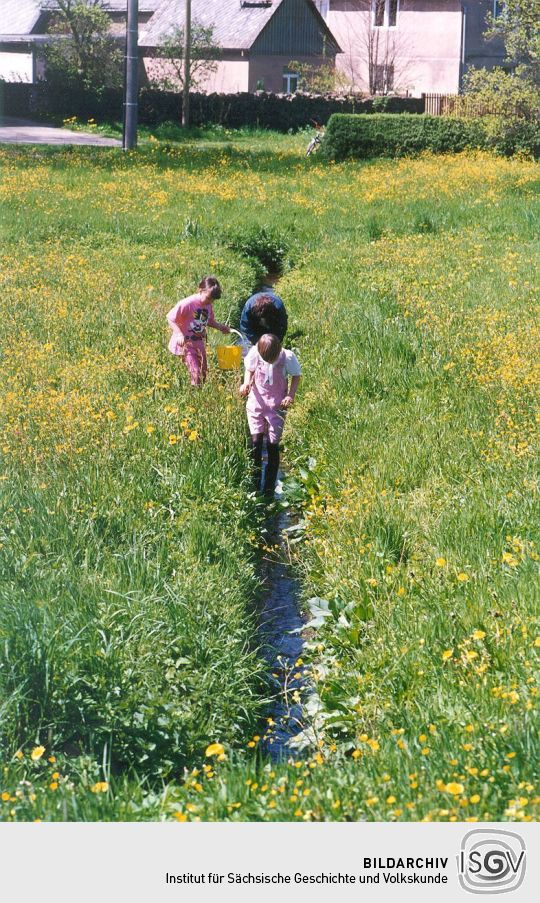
{"x": 271, "y": 381}
{"x": 188, "y": 320}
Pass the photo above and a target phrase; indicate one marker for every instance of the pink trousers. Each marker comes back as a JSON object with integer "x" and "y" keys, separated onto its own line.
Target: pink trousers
{"x": 194, "y": 355}
{"x": 264, "y": 419}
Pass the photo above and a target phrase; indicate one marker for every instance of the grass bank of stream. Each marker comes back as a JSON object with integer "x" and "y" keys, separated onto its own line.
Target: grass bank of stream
{"x": 129, "y": 543}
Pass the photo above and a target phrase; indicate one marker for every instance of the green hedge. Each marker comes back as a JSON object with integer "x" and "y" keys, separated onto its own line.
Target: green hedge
{"x": 382, "y": 135}
{"x": 265, "y": 110}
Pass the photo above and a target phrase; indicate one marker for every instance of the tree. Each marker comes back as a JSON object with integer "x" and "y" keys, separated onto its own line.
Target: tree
{"x": 518, "y": 25}
{"x": 321, "y": 79}
{"x": 516, "y": 93}
{"x": 168, "y": 68}
{"x": 499, "y": 93}
{"x": 82, "y": 54}
{"x": 375, "y": 60}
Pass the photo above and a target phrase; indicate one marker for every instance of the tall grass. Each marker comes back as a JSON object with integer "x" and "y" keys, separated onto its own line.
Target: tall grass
{"x": 128, "y": 540}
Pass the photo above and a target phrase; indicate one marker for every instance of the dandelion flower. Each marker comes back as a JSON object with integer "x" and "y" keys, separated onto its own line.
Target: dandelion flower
{"x": 100, "y": 787}
{"x": 454, "y": 788}
{"x": 215, "y": 749}
{"x": 37, "y": 753}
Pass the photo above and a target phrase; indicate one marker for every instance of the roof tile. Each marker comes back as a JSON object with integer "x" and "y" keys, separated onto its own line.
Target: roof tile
{"x": 235, "y": 26}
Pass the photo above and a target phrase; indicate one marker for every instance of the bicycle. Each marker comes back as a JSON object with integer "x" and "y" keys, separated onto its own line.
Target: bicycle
{"x": 316, "y": 141}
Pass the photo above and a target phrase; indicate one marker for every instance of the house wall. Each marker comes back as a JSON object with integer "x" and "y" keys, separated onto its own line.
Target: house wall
{"x": 294, "y": 29}
{"x": 480, "y": 52}
{"x": 269, "y": 70}
{"x": 228, "y": 77}
{"x": 16, "y": 66}
{"x": 425, "y": 44}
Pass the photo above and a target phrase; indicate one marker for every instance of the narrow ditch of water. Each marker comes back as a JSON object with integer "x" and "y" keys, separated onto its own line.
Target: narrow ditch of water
{"x": 280, "y": 626}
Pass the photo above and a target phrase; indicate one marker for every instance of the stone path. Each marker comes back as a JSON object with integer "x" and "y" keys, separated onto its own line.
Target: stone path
{"x": 23, "y": 131}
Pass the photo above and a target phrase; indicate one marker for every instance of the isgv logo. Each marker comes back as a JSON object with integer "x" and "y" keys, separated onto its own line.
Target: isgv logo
{"x": 491, "y": 862}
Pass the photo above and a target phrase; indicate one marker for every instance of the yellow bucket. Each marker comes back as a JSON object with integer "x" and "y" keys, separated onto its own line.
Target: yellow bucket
{"x": 229, "y": 357}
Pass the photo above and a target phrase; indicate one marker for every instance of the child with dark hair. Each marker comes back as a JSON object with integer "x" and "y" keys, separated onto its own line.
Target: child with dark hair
{"x": 188, "y": 320}
{"x": 268, "y": 367}
{"x": 264, "y": 312}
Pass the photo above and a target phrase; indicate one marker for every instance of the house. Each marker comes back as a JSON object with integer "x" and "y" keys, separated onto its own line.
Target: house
{"x": 18, "y": 62}
{"x": 257, "y": 41}
{"x": 380, "y": 46}
{"x": 24, "y": 28}
{"x": 477, "y": 51}
{"x": 410, "y": 46}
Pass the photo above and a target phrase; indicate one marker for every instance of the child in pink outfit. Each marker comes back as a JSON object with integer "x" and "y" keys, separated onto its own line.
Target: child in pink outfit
{"x": 188, "y": 320}
{"x": 266, "y": 385}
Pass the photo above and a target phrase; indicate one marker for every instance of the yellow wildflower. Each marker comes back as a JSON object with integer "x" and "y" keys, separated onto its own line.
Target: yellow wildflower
{"x": 215, "y": 749}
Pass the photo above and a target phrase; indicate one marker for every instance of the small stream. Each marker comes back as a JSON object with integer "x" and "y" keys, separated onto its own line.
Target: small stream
{"x": 280, "y": 629}
{"x": 281, "y": 626}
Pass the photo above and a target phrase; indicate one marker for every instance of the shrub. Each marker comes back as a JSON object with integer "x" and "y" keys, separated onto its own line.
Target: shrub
{"x": 508, "y": 136}
{"x": 382, "y": 135}
{"x": 263, "y": 110}
{"x": 388, "y": 135}
{"x": 501, "y": 93}
{"x": 265, "y": 246}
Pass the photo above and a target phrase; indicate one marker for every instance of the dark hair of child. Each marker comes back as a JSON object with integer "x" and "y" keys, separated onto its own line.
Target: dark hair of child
{"x": 211, "y": 284}
{"x": 269, "y": 347}
{"x": 266, "y": 314}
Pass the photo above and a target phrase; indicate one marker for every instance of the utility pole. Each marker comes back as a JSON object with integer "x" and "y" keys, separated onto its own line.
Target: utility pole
{"x": 131, "y": 76}
{"x": 187, "y": 66}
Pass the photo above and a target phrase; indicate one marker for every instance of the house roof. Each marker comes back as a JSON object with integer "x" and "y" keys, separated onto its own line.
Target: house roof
{"x": 237, "y": 23}
{"x": 18, "y": 17}
{"x": 21, "y": 16}
{"x": 120, "y": 6}
{"x": 116, "y": 6}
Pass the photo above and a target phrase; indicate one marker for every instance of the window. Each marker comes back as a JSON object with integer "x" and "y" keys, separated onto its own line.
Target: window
{"x": 385, "y": 13}
{"x": 383, "y": 82}
{"x": 379, "y": 13}
{"x": 498, "y": 9}
{"x": 290, "y": 82}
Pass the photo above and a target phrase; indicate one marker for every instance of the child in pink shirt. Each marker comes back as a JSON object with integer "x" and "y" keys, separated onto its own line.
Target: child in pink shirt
{"x": 188, "y": 320}
{"x": 266, "y": 385}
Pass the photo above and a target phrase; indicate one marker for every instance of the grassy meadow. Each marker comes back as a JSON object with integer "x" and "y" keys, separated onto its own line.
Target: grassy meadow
{"x": 131, "y": 686}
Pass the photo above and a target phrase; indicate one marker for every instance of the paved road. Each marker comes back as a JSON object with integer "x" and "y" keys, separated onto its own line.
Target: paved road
{"x": 23, "y": 131}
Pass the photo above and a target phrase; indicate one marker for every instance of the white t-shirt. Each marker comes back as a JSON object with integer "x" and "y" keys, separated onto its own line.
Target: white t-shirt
{"x": 286, "y": 365}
